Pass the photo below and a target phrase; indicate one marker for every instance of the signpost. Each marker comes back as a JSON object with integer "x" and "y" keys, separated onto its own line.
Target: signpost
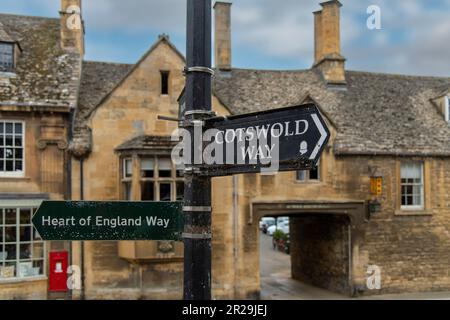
{"x": 291, "y": 138}
{"x": 301, "y": 133}
{"x": 84, "y": 221}
{"x": 197, "y": 193}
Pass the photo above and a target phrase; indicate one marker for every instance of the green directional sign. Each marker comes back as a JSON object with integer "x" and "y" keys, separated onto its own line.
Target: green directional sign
{"x": 84, "y": 221}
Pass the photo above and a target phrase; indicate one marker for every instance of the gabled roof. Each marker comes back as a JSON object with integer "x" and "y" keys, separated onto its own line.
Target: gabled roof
{"x": 309, "y": 99}
{"x": 45, "y": 74}
{"x": 376, "y": 114}
{"x": 98, "y": 81}
{"x": 114, "y": 75}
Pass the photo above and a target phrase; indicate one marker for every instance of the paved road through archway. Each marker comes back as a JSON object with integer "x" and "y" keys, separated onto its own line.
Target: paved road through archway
{"x": 276, "y": 281}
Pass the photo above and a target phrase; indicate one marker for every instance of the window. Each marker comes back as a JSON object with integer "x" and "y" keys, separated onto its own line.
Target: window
{"x": 148, "y": 168}
{"x": 165, "y": 82}
{"x": 11, "y": 148}
{"x": 412, "y": 190}
{"x": 22, "y": 251}
{"x": 312, "y": 175}
{"x": 6, "y": 57}
{"x": 165, "y": 167}
{"x": 160, "y": 180}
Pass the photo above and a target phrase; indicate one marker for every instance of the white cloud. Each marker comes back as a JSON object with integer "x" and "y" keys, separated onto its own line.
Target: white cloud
{"x": 414, "y": 40}
{"x": 280, "y": 30}
{"x": 135, "y": 15}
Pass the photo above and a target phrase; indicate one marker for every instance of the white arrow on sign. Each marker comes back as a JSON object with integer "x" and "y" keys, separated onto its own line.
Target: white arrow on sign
{"x": 323, "y": 136}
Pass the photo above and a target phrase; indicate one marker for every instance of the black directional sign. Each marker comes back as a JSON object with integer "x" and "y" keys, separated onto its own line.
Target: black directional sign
{"x": 285, "y": 139}
{"x": 84, "y": 221}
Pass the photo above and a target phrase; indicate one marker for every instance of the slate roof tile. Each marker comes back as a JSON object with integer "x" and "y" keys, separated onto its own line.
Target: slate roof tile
{"x": 382, "y": 114}
{"x": 45, "y": 74}
{"x": 376, "y": 114}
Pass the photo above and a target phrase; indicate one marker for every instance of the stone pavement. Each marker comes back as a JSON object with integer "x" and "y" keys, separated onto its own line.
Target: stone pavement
{"x": 277, "y": 284}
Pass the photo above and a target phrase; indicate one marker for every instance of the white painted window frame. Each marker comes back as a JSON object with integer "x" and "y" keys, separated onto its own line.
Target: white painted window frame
{"x": 127, "y": 181}
{"x": 16, "y": 174}
{"x": 18, "y": 205}
{"x": 422, "y": 191}
{"x": 125, "y": 169}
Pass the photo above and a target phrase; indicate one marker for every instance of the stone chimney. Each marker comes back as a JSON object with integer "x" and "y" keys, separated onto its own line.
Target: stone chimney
{"x": 327, "y": 42}
{"x": 318, "y": 39}
{"x": 72, "y": 25}
{"x": 222, "y": 35}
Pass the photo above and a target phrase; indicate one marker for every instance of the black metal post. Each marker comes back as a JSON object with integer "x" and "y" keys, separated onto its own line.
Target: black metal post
{"x": 197, "y": 196}
{"x": 83, "y": 275}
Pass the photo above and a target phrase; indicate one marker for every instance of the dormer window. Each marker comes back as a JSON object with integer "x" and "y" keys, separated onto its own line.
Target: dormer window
{"x": 6, "y": 57}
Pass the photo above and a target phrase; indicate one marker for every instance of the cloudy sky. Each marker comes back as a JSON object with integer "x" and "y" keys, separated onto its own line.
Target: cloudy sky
{"x": 271, "y": 34}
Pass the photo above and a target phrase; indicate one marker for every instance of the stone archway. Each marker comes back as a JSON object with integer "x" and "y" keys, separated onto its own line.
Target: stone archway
{"x": 330, "y": 233}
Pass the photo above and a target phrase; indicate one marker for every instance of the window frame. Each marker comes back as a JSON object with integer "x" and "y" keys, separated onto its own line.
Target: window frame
{"x": 18, "y": 260}
{"x": 125, "y": 169}
{"x": 13, "y": 57}
{"x": 149, "y": 251}
{"x": 127, "y": 182}
{"x": 412, "y": 208}
{"x": 15, "y": 174}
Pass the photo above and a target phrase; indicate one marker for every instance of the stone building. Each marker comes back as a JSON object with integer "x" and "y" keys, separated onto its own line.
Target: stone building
{"x": 40, "y": 72}
{"x": 392, "y": 129}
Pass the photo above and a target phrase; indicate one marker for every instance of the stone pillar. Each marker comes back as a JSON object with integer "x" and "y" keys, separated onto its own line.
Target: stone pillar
{"x": 222, "y": 31}
{"x": 52, "y": 145}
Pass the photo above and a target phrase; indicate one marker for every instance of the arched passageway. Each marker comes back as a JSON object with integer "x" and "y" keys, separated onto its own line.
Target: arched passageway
{"x": 322, "y": 239}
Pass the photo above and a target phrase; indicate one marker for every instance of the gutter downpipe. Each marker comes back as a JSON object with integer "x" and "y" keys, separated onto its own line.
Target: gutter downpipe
{"x": 69, "y": 180}
{"x": 82, "y": 295}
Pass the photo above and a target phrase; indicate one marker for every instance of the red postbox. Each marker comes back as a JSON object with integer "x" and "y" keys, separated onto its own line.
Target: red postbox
{"x": 58, "y": 271}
